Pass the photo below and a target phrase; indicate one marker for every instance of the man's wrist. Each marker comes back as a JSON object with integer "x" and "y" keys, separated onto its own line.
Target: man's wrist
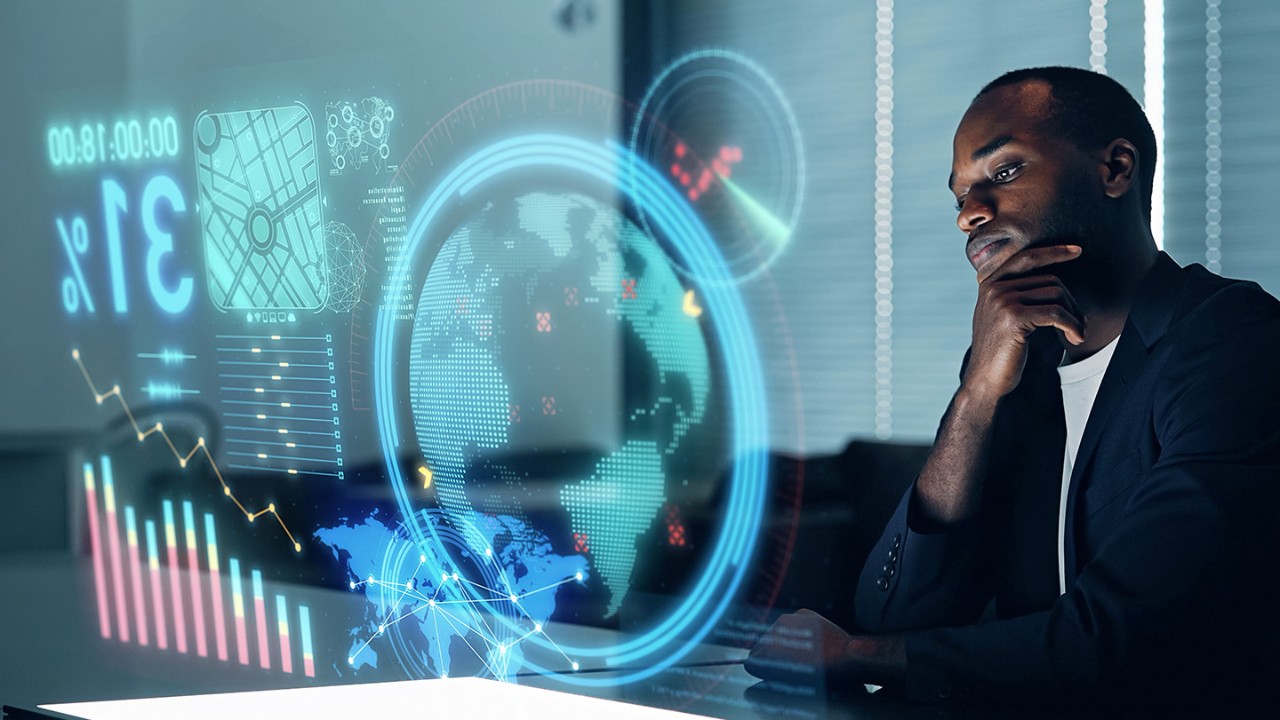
{"x": 972, "y": 403}
{"x": 877, "y": 659}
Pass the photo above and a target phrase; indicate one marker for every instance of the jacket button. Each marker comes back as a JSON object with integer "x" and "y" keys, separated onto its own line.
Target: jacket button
{"x": 897, "y": 541}
{"x": 888, "y": 571}
{"x": 893, "y": 555}
{"x": 882, "y": 583}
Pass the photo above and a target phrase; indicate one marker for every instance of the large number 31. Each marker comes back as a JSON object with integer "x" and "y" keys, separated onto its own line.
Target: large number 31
{"x": 115, "y": 203}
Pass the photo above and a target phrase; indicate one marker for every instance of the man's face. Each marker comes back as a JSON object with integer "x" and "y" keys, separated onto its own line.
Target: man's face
{"x": 1017, "y": 181}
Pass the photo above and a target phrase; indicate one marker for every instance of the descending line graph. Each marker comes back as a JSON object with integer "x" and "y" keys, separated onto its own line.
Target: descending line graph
{"x": 183, "y": 459}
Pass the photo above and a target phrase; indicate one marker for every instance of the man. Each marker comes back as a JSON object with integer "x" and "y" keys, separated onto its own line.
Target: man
{"x": 1098, "y": 520}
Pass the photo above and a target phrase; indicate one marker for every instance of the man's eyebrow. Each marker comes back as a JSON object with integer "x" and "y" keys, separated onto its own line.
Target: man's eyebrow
{"x": 991, "y": 147}
{"x": 982, "y": 152}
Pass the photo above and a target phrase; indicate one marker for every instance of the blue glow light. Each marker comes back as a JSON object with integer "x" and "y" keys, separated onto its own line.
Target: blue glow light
{"x": 168, "y": 356}
{"x": 167, "y": 391}
{"x": 162, "y": 187}
{"x": 660, "y": 646}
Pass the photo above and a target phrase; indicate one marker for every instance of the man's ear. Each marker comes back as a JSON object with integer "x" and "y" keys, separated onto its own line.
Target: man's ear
{"x": 1119, "y": 167}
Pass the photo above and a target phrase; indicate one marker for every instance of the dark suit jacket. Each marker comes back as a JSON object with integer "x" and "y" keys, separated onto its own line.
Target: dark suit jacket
{"x": 1173, "y": 523}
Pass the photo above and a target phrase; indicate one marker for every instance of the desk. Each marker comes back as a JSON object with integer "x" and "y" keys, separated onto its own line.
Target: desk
{"x": 55, "y": 655}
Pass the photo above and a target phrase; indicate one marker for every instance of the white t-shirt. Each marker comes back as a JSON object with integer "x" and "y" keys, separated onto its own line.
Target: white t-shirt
{"x": 1080, "y": 383}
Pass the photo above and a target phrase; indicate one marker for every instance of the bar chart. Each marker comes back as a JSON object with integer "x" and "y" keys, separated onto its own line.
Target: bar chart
{"x": 177, "y": 593}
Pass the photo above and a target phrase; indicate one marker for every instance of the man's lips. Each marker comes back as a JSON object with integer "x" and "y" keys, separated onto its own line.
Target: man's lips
{"x": 982, "y": 248}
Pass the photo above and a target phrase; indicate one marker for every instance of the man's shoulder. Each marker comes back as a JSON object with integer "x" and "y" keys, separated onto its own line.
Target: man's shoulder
{"x": 1224, "y": 333}
{"x": 1215, "y": 306}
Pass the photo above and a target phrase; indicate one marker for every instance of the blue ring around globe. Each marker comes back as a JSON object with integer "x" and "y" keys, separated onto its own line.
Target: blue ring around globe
{"x": 693, "y": 618}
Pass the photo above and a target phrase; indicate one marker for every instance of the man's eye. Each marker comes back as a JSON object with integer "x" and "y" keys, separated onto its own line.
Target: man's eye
{"x": 960, "y": 205}
{"x": 1006, "y": 173}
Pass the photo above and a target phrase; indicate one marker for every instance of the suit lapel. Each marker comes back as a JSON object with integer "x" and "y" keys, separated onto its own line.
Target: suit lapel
{"x": 1149, "y": 318}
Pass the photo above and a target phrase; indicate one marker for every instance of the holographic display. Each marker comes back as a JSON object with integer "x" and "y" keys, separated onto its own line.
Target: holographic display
{"x": 493, "y": 332}
{"x": 198, "y": 451}
{"x": 178, "y": 597}
{"x": 358, "y": 134}
{"x": 279, "y": 397}
{"x": 723, "y": 131}
{"x": 260, "y": 209}
{"x": 435, "y": 602}
{"x": 480, "y": 391}
{"x": 346, "y": 267}
{"x": 101, "y": 143}
{"x": 161, "y": 195}
{"x": 452, "y": 347}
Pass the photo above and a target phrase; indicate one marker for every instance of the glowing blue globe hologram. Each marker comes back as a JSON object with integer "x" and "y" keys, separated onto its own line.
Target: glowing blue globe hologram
{"x": 522, "y": 309}
{"x": 444, "y": 383}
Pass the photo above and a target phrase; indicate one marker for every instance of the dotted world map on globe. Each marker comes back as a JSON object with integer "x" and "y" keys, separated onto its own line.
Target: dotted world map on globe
{"x": 534, "y": 312}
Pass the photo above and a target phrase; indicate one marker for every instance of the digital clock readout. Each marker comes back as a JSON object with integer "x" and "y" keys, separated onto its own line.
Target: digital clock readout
{"x": 123, "y": 141}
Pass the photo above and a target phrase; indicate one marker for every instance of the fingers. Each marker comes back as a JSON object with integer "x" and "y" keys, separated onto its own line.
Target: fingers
{"x": 1021, "y": 310}
{"x": 1058, "y": 317}
{"x": 785, "y": 626}
{"x": 1029, "y": 259}
{"x": 768, "y": 658}
{"x": 1046, "y": 287}
{"x": 1054, "y": 293}
{"x": 1037, "y": 300}
{"x": 787, "y": 651}
{"x": 1043, "y": 299}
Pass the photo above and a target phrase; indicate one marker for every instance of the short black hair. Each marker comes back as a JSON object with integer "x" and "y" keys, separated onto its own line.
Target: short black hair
{"x": 1092, "y": 109}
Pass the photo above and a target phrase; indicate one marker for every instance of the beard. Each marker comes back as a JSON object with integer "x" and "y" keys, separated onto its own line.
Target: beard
{"x": 1079, "y": 217}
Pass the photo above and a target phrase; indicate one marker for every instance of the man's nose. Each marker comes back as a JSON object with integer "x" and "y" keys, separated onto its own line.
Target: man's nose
{"x": 976, "y": 210}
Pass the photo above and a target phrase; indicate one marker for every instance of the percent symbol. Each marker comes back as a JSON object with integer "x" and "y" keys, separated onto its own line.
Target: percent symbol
{"x": 76, "y": 244}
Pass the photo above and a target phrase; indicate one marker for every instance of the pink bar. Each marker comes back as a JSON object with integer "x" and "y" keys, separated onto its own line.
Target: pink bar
{"x": 309, "y": 666}
{"x": 215, "y": 586}
{"x": 95, "y": 544}
{"x": 237, "y": 609}
{"x": 219, "y": 624}
{"x": 175, "y": 577}
{"x": 157, "y": 595}
{"x": 242, "y": 637}
{"x": 135, "y": 576}
{"x": 286, "y": 660}
{"x": 282, "y": 622}
{"x": 264, "y": 657}
{"x": 193, "y": 574}
{"x": 113, "y": 542}
{"x": 260, "y": 608}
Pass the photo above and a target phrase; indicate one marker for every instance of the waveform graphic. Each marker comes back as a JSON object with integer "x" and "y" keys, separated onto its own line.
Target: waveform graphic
{"x": 166, "y": 390}
{"x": 168, "y": 356}
{"x": 183, "y": 459}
